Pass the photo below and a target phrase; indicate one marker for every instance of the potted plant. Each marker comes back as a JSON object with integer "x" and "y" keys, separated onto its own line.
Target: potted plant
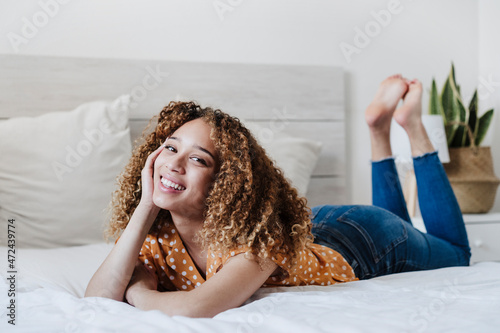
{"x": 470, "y": 170}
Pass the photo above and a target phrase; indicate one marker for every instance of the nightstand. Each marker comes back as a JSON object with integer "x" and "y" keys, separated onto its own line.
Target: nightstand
{"x": 484, "y": 235}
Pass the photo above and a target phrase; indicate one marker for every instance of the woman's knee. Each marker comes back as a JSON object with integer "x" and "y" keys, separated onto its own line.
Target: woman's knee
{"x": 464, "y": 255}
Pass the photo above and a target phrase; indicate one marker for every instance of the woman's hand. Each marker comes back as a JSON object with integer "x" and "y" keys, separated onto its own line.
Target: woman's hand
{"x": 143, "y": 279}
{"x": 147, "y": 179}
{"x": 115, "y": 273}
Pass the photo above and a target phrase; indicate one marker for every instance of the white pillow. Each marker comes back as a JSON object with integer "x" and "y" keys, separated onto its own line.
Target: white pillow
{"x": 67, "y": 269}
{"x": 58, "y": 170}
{"x": 296, "y": 156}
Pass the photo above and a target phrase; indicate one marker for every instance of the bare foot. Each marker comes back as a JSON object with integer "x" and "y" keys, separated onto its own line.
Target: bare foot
{"x": 409, "y": 115}
{"x": 379, "y": 113}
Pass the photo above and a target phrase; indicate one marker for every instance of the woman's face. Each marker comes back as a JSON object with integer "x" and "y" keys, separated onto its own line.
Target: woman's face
{"x": 184, "y": 170}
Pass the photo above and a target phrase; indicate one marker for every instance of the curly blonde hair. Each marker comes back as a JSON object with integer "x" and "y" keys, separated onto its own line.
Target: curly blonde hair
{"x": 250, "y": 201}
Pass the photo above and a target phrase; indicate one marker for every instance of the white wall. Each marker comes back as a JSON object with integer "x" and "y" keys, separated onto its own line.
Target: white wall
{"x": 489, "y": 72}
{"x": 420, "y": 39}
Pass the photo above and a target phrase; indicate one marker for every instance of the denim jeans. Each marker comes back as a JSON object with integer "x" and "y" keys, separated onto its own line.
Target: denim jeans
{"x": 380, "y": 239}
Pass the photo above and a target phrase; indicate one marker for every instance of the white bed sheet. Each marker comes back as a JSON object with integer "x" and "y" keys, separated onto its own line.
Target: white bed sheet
{"x": 457, "y": 299}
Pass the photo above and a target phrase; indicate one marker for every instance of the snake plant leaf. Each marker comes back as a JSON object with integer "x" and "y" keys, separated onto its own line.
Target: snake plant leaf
{"x": 461, "y": 131}
{"x": 482, "y": 128}
{"x": 453, "y": 84}
{"x": 454, "y": 80}
{"x": 435, "y": 106}
{"x": 450, "y": 108}
{"x": 472, "y": 117}
{"x": 447, "y": 101}
{"x": 458, "y": 119}
{"x": 452, "y": 73}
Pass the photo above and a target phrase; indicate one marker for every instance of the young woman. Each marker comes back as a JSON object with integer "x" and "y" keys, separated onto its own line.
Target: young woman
{"x": 207, "y": 218}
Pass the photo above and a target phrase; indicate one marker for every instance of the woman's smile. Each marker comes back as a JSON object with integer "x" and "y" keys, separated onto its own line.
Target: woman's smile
{"x": 168, "y": 184}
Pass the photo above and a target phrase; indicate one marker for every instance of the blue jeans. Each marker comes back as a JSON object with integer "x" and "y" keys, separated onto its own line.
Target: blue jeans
{"x": 380, "y": 239}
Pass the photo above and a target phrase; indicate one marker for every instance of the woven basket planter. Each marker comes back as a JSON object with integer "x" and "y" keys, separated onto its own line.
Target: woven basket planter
{"x": 472, "y": 178}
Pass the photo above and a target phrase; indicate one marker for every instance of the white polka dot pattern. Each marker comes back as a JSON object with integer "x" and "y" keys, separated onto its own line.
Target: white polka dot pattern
{"x": 176, "y": 270}
{"x": 315, "y": 266}
{"x": 171, "y": 258}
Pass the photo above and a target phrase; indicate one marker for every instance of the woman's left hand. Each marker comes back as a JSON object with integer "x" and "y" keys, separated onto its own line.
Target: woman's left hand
{"x": 143, "y": 279}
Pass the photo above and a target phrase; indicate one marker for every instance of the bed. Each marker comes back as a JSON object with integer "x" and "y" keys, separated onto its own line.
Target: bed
{"x": 67, "y": 126}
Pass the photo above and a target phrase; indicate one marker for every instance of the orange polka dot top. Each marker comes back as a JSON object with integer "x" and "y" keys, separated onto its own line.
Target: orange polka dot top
{"x": 164, "y": 252}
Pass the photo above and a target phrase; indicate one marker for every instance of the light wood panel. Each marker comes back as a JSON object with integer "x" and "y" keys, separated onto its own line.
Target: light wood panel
{"x": 31, "y": 85}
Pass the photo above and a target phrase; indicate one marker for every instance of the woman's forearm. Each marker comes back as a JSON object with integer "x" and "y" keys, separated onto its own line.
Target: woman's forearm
{"x": 230, "y": 287}
{"x": 114, "y": 274}
{"x": 172, "y": 303}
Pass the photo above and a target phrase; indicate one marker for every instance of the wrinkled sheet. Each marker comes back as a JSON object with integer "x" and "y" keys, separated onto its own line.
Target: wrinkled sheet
{"x": 457, "y": 299}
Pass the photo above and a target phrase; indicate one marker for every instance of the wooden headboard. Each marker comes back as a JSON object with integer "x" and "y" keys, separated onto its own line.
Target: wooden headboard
{"x": 306, "y": 101}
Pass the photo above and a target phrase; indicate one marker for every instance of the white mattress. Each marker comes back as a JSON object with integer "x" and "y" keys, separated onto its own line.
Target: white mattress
{"x": 50, "y": 284}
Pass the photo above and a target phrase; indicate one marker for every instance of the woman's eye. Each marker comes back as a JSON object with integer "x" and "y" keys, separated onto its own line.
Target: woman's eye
{"x": 171, "y": 148}
{"x": 199, "y": 160}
